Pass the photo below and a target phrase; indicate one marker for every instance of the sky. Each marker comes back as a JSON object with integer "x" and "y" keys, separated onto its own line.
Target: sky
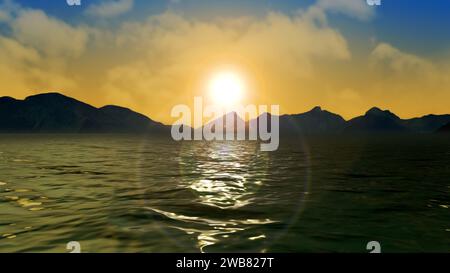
{"x": 150, "y": 55}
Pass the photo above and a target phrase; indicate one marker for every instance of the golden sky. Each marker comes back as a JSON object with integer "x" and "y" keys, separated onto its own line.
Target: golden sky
{"x": 297, "y": 60}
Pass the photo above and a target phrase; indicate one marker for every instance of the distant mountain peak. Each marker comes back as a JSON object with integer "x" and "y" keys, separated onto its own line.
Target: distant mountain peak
{"x": 376, "y": 120}
{"x": 265, "y": 114}
{"x": 316, "y": 109}
{"x": 375, "y": 111}
{"x": 47, "y": 95}
{"x": 54, "y": 98}
{"x": 7, "y": 99}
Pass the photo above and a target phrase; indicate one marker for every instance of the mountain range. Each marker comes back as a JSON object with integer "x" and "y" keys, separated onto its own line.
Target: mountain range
{"x": 53, "y": 112}
{"x": 374, "y": 121}
{"x": 56, "y": 113}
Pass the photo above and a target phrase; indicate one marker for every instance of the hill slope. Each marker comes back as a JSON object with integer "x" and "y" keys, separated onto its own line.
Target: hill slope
{"x": 54, "y": 112}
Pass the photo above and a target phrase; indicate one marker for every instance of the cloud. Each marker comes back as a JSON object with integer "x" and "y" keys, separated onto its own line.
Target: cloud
{"x": 7, "y": 9}
{"x": 407, "y": 81}
{"x": 108, "y": 9}
{"x": 24, "y": 69}
{"x": 394, "y": 60}
{"x": 37, "y": 53}
{"x": 355, "y": 8}
{"x": 49, "y": 35}
{"x": 4, "y": 16}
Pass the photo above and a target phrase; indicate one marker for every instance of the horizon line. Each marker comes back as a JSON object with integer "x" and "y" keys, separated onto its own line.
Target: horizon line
{"x": 319, "y": 107}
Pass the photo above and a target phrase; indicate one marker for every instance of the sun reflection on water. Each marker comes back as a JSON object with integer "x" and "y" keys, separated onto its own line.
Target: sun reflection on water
{"x": 221, "y": 176}
{"x": 224, "y": 172}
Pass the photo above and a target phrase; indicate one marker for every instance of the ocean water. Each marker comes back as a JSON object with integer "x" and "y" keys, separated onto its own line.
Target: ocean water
{"x": 115, "y": 193}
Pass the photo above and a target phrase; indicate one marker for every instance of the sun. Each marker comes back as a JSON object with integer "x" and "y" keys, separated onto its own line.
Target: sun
{"x": 226, "y": 88}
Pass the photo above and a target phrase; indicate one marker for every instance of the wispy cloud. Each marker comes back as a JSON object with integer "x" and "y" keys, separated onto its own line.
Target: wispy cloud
{"x": 108, "y": 9}
{"x": 394, "y": 60}
{"x": 355, "y": 8}
{"x": 4, "y": 16}
{"x": 7, "y": 9}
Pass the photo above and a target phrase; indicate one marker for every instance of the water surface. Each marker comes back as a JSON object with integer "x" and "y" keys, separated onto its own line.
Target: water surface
{"x": 137, "y": 194}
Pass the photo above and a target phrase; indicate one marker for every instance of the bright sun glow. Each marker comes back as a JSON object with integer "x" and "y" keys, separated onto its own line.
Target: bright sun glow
{"x": 226, "y": 89}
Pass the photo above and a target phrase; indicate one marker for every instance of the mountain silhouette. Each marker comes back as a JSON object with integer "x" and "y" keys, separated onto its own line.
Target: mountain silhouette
{"x": 376, "y": 120}
{"x": 229, "y": 123}
{"x": 54, "y": 112}
{"x": 383, "y": 121}
{"x": 428, "y": 123}
{"x": 315, "y": 121}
